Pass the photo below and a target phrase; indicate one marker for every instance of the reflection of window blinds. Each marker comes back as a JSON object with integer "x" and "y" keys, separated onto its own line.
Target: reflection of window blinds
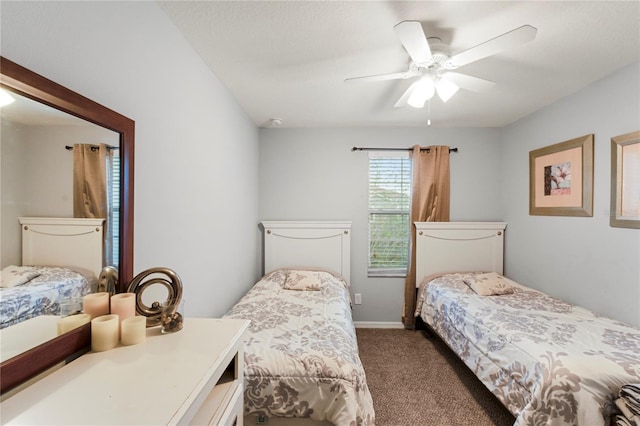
{"x": 630, "y": 206}
{"x": 115, "y": 212}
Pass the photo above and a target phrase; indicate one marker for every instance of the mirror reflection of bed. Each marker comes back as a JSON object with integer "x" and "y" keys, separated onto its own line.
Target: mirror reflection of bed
{"x": 37, "y": 181}
{"x": 61, "y": 262}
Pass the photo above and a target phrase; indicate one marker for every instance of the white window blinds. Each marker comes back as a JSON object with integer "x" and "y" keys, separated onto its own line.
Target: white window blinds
{"x": 114, "y": 211}
{"x": 389, "y": 205}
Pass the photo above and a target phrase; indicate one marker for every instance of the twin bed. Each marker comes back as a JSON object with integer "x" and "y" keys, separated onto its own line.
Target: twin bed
{"x": 549, "y": 362}
{"x": 301, "y": 358}
{"x": 61, "y": 260}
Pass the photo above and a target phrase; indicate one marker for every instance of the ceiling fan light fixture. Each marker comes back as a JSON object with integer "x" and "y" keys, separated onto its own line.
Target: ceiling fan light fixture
{"x": 421, "y": 91}
{"x": 5, "y": 98}
{"x": 446, "y": 89}
{"x": 433, "y": 62}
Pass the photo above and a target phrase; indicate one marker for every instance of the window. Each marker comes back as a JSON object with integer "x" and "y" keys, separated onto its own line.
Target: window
{"x": 389, "y": 206}
{"x": 112, "y": 256}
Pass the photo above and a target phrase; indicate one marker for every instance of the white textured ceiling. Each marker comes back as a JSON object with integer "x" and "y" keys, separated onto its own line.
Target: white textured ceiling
{"x": 289, "y": 59}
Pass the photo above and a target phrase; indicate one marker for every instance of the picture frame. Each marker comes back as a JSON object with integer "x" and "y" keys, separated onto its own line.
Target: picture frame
{"x": 561, "y": 178}
{"x": 625, "y": 181}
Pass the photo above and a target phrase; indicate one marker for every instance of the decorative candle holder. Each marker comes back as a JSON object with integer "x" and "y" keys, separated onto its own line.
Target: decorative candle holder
{"x": 108, "y": 280}
{"x": 172, "y": 317}
{"x": 133, "y": 330}
{"x": 96, "y": 304}
{"x": 70, "y": 306}
{"x": 105, "y": 332}
{"x": 124, "y": 305}
{"x": 72, "y": 321}
{"x": 150, "y": 277}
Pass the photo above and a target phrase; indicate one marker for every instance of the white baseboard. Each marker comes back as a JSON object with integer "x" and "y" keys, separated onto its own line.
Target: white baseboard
{"x": 377, "y": 324}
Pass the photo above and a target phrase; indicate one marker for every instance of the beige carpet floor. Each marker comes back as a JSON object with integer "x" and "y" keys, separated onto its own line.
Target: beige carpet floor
{"x": 417, "y": 380}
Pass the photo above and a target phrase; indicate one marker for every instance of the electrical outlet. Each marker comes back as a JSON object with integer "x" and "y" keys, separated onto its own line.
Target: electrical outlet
{"x": 358, "y": 298}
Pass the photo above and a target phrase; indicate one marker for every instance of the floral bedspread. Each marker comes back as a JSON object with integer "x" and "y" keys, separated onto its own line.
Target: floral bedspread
{"x": 42, "y": 295}
{"x": 548, "y": 361}
{"x": 301, "y": 357}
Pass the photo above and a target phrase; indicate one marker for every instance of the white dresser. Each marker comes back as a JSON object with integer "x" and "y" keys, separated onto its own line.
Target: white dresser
{"x": 193, "y": 376}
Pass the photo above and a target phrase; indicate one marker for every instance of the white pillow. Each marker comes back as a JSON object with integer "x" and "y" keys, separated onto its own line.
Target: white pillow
{"x": 305, "y": 280}
{"x": 17, "y": 275}
{"x": 489, "y": 284}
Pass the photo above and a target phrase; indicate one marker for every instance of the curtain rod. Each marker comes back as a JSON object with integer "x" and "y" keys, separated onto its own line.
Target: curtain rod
{"x": 355, "y": 148}
{"x": 93, "y": 148}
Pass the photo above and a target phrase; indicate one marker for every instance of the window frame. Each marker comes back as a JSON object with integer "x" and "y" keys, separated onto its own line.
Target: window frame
{"x": 399, "y": 272}
{"x": 115, "y": 215}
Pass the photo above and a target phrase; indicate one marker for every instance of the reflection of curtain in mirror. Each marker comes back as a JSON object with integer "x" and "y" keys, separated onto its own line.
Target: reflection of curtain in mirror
{"x": 91, "y": 164}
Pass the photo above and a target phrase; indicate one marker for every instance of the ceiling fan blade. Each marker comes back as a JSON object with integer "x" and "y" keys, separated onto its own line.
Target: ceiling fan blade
{"x": 505, "y": 41}
{"x": 468, "y": 82}
{"x": 412, "y": 37}
{"x": 380, "y": 77}
{"x": 403, "y": 101}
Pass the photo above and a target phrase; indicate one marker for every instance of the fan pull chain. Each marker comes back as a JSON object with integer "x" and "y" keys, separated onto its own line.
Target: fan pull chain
{"x": 429, "y": 112}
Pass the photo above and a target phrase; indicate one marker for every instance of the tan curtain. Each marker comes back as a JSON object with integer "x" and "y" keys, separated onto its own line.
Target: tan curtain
{"x": 429, "y": 203}
{"x": 90, "y": 181}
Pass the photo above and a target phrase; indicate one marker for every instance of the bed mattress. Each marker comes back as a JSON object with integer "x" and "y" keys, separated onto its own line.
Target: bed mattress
{"x": 301, "y": 357}
{"x": 549, "y": 362}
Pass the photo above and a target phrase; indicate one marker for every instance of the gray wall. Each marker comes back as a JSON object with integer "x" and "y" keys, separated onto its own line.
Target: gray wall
{"x": 311, "y": 174}
{"x": 192, "y": 137}
{"x": 579, "y": 259}
{"x": 37, "y": 175}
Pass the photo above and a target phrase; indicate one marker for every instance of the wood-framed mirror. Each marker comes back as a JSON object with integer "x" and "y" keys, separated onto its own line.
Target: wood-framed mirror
{"x": 23, "y": 82}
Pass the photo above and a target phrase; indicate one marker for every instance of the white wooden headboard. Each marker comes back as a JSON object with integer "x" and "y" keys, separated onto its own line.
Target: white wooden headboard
{"x": 69, "y": 242}
{"x": 318, "y": 244}
{"x": 458, "y": 247}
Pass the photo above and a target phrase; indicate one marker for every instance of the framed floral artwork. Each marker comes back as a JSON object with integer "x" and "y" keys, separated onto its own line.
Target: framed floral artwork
{"x": 561, "y": 178}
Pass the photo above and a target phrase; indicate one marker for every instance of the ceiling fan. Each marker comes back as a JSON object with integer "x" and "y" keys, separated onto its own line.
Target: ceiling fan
{"x": 432, "y": 61}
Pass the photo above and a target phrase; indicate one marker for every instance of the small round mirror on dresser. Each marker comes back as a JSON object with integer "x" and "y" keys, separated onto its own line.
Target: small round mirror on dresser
{"x": 23, "y": 83}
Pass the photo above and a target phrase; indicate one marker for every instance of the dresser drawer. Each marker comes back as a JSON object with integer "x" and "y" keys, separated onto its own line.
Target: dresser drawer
{"x": 223, "y": 405}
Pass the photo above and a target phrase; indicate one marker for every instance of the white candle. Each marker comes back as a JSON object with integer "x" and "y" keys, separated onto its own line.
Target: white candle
{"x": 96, "y": 304}
{"x": 124, "y": 305}
{"x": 72, "y": 321}
{"x": 105, "y": 332}
{"x": 134, "y": 330}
